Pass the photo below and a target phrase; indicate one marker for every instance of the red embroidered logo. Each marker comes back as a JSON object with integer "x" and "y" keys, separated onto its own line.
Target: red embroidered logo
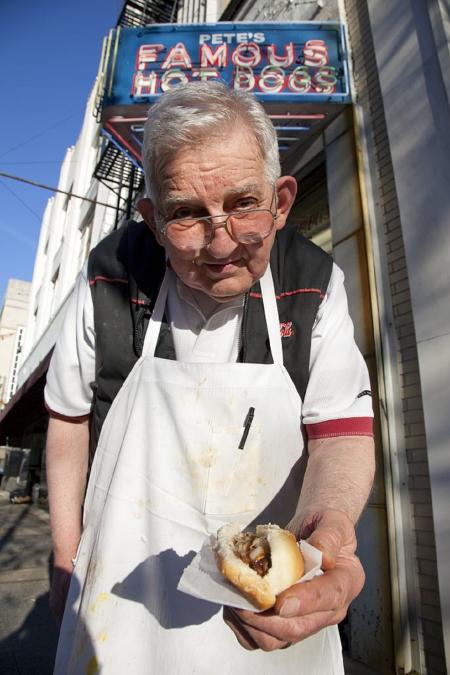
{"x": 286, "y": 329}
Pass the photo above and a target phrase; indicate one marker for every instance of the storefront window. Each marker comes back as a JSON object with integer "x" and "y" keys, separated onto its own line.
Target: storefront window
{"x": 310, "y": 213}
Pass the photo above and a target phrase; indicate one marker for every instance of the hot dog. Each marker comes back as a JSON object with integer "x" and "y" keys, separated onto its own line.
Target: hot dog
{"x": 260, "y": 564}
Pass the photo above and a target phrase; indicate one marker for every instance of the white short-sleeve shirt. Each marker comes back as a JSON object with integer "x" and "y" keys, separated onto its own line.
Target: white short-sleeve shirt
{"x": 337, "y": 400}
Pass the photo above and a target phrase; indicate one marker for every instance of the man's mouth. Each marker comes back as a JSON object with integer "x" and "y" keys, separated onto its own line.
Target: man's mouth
{"x": 221, "y": 268}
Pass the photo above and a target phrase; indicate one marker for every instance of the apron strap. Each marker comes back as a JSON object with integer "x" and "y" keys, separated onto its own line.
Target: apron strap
{"x": 154, "y": 325}
{"x": 272, "y": 317}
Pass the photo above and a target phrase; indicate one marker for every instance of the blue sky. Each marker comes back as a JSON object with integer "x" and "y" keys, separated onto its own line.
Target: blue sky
{"x": 49, "y": 54}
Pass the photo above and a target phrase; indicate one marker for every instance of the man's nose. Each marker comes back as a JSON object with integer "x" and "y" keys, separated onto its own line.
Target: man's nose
{"x": 221, "y": 244}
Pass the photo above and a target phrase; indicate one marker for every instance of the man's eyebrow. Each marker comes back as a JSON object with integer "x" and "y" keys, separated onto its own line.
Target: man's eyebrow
{"x": 244, "y": 189}
{"x": 172, "y": 201}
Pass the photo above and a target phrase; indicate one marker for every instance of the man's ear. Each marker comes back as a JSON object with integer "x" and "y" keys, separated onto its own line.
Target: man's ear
{"x": 286, "y": 188}
{"x": 147, "y": 211}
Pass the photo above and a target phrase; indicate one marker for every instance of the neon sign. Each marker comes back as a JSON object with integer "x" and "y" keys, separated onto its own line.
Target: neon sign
{"x": 271, "y": 60}
{"x": 268, "y": 69}
{"x": 295, "y": 69}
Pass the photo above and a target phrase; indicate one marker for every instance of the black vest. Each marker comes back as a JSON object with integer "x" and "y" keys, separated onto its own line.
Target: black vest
{"x": 125, "y": 272}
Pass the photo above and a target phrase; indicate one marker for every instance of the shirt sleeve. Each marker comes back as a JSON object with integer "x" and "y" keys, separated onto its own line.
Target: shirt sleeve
{"x": 338, "y": 400}
{"x": 68, "y": 392}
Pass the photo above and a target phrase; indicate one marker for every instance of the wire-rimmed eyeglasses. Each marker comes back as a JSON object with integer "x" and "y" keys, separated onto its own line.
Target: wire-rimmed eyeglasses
{"x": 249, "y": 226}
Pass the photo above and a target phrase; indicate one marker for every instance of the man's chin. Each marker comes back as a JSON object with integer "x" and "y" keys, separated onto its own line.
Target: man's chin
{"x": 220, "y": 290}
{"x": 226, "y": 298}
{"x": 226, "y": 290}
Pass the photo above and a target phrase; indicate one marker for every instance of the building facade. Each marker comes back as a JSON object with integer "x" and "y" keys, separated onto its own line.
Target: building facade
{"x": 374, "y": 191}
{"x": 86, "y": 206}
{"x": 75, "y": 219}
{"x": 13, "y": 318}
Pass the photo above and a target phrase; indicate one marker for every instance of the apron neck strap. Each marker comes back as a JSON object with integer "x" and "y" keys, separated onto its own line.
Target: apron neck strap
{"x": 272, "y": 317}
{"x": 154, "y": 325}
{"x": 270, "y": 311}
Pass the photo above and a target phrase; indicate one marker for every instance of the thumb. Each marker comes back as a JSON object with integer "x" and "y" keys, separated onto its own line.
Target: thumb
{"x": 325, "y": 539}
{"x": 333, "y": 529}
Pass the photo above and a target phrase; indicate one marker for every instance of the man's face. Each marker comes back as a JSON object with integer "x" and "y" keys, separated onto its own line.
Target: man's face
{"x": 218, "y": 177}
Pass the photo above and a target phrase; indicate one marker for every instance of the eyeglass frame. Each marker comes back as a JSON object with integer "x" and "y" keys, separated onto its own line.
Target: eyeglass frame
{"x": 215, "y": 226}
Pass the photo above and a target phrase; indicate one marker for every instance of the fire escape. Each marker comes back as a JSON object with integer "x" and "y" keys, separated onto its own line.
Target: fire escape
{"x": 115, "y": 169}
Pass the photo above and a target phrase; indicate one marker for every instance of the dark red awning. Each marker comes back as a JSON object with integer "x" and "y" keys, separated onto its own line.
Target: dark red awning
{"x": 26, "y": 405}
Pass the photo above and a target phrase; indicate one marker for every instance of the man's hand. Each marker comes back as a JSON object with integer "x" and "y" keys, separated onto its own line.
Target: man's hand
{"x": 58, "y": 591}
{"x": 304, "y": 609}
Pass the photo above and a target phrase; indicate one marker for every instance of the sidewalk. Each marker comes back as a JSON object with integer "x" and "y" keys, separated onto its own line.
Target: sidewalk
{"x": 28, "y": 633}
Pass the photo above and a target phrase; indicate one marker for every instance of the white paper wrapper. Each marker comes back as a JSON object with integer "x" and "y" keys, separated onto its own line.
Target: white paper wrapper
{"x": 203, "y": 580}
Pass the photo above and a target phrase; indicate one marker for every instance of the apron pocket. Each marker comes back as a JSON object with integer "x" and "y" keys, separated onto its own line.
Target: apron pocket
{"x": 233, "y": 475}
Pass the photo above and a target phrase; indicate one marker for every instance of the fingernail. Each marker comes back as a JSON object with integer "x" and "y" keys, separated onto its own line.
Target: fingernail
{"x": 290, "y": 607}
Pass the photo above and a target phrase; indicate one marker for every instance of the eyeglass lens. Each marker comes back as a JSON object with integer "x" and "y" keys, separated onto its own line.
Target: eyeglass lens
{"x": 250, "y": 227}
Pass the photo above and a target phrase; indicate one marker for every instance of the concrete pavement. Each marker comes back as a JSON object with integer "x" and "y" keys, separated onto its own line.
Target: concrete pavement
{"x": 28, "y": 633}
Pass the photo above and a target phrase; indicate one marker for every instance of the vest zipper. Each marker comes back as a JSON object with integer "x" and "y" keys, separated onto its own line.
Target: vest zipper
{"x": 242, "y": 343}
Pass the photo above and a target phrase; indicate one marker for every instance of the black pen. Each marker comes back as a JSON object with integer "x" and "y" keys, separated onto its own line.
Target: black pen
{"x": 247, "y": 424}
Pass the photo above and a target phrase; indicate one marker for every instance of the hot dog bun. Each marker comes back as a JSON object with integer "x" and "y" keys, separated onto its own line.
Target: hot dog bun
{"x": 272, "y": 550}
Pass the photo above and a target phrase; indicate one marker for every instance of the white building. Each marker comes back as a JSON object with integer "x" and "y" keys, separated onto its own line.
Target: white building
{"x": 13, "y": 317}
{"x": 84, "y": 209}
{"x": 70, "y": 228}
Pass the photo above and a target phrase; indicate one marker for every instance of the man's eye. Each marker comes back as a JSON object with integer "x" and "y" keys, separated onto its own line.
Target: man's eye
{"x": 247, "y": 203}
{"x": 184, "y": 212}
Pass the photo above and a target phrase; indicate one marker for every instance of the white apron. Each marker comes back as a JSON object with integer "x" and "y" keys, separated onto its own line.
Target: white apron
{"x": 168, "y": 472}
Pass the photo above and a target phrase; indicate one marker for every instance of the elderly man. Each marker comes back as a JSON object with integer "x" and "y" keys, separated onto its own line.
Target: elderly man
{"x": 179, "y": 326}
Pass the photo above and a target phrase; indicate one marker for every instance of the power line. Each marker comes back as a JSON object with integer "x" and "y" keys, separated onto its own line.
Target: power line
{"x": 14, "y": 194}
{"x": 27, "y": 181}
{"x": 41, "y": 133}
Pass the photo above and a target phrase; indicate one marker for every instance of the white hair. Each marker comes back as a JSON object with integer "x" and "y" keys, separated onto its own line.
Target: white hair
{"x": 191, "y": 113}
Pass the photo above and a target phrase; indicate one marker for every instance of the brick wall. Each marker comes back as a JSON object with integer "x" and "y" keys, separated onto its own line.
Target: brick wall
{"x": 432, "y": 661}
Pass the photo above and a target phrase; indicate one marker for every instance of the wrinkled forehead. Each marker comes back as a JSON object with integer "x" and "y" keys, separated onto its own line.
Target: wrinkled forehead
{"x": 229, "y": 155}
